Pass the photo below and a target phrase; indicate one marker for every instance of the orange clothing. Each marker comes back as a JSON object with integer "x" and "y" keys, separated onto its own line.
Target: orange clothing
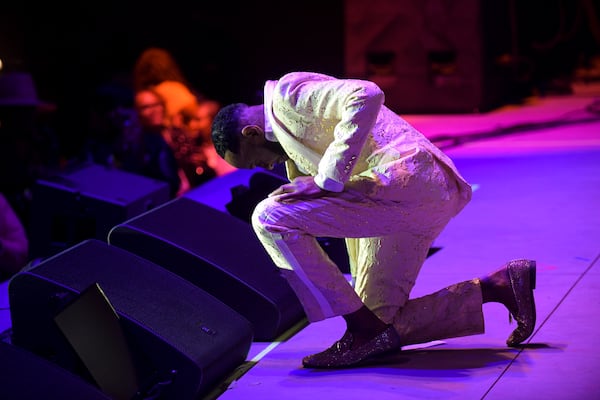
{"x": 176, "y": 96}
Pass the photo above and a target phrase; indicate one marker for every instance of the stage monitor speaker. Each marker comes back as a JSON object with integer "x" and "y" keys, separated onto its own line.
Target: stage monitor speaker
{"x": 27, "y": 376}
{"x": 85, "y": 202}
{"x": 434, "y": 56}
{"x": 220, "y": 193}
{"x": 218, "y": 253}
{"x": 183, "y": 341}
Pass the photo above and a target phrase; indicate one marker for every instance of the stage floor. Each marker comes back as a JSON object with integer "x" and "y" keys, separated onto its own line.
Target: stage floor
{"x": 535, "y": 169}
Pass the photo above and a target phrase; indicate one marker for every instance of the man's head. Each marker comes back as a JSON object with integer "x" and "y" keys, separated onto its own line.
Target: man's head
{"x": 239, "y": 137}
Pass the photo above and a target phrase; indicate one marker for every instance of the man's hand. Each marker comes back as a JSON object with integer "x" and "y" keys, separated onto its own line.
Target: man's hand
{"x": 301, "y": 188}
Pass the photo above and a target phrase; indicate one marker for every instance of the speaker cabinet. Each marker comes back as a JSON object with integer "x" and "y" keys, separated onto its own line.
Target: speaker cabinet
{"x": 85, "y": 203}
{"x": 218, "y": 253}
{"x": 27, "y": 376}
{"x": 183, "y": 340}
{"x": 227, "y": 193}
{"x": 433, "y": 56}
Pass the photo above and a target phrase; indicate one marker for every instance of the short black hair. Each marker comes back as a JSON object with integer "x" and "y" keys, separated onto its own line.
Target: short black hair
{"x": 226, "y": 128}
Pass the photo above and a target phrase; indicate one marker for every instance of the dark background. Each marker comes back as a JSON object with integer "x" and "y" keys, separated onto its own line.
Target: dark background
{"x": 228, "y": 48}
{"x": 225, "y": 48}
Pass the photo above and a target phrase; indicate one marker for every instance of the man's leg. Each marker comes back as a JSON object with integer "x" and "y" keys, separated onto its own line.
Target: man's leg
{"x": 387, "y": 268}
{"x": 451, "y": 312}
{"x": 457, "y": 309}
{"x": 288, "y": 231}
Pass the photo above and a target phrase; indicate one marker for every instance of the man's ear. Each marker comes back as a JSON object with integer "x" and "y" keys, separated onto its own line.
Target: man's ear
{"x": 254, "y": 134}
{"x": 252, "y": 130}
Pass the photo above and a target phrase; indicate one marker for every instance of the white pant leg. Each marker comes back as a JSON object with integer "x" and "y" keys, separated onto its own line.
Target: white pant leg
{"x": 451, "y": 312}
{"x": 288, "y": 232}
{"x": 352, "y": 249}
{"x": 387, "y": 268}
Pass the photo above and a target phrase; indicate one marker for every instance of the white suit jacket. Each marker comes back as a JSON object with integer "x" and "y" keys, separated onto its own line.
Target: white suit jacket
{"x": 340, "y": 132}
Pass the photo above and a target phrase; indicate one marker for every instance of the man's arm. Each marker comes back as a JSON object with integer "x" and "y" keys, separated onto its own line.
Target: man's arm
{"x": 354, "y": 103}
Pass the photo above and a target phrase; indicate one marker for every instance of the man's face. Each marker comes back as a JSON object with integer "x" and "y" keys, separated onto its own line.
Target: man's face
{"x": 256, "y": 151}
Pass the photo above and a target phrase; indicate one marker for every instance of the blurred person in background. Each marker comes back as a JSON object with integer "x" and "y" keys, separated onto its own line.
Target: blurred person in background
{"x": 156, "y": 68}
{"x": 134, "y": 141}
{"x": 197, "y": 122}
{"x": 29, "y": 148}
{"x": 186, "y": 111}
{"x": 14, "y": 245}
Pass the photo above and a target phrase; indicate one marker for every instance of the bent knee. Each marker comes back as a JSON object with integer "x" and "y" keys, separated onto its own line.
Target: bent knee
{"x": 268, "y": 216}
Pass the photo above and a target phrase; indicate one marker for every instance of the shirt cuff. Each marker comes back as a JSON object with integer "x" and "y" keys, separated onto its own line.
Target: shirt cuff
{"x": 328, "y": 184}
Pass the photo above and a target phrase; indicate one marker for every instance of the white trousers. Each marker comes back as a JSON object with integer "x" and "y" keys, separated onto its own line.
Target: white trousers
{"x": 387, "y": 242}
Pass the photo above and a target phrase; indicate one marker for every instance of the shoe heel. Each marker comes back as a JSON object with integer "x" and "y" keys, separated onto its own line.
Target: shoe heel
{"x": 532, "y": 273}
{"x": 523, "y": 264}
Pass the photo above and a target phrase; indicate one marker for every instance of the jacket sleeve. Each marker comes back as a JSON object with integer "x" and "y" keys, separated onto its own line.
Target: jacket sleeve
{"x": 353, "y": 103}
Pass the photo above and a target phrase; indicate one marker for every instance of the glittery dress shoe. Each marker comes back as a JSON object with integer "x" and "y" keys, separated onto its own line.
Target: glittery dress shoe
{"x": 522, "y": 282}
{"x": 341, "y": 354}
